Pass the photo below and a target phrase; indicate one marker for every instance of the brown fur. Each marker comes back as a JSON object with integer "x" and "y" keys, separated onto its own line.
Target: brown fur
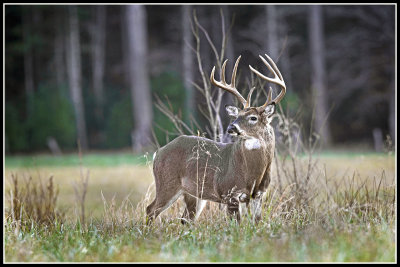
{"x": 200, "y": 168}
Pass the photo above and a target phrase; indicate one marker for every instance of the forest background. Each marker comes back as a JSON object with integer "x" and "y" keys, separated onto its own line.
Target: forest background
{"x": 93, "y": 73}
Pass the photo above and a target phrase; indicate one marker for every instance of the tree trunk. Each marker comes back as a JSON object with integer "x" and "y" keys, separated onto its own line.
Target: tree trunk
{"x": 188, "y": 62}
{"x": 392, "y": 111}
{"x": 74, "y": 76}
{"x": 378, "y": 139}
{"x": 285, "y": 61}
{"x": 318, "y": 73}
{"x": 227, "y": 98}
{"x": 125, "y": 47}
{"x": 98, "y": 59}
{"x": 59, "y": 50}
{"x": 28, "y": 61}
{"x": 272, "y": 32}
{"x": 139, "y": 77}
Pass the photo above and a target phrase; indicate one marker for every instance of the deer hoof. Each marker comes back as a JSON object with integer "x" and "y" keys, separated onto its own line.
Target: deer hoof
{"x": 233, "y": 201}
{"x": 243, "y": 197}
{"x": 259, "y": 194}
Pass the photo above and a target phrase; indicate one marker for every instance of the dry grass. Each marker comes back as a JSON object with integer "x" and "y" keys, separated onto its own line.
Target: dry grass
{"x": 31, "y": 200}
{"x": 124, "y": 180}
{"x": 354, "y": 203}
{"x": 118, "y": 181}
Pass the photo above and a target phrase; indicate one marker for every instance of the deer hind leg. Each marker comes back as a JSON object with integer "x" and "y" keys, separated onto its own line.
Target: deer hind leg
{"x": 190, "y": 210}
{"x": 150, "y": 207}
{"x": 163, "y": 201}
{"x": 194, "y": 207}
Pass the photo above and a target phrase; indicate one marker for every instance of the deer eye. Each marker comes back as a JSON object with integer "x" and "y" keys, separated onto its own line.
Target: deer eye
{"x": 253, "y": 118}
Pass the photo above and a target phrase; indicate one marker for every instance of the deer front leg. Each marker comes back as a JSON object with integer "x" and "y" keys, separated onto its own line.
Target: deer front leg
{"x": 259, "y": 193}
{"x": 256, "y": 206}
{"x": 235, "y": 204}
{"x": 233, "y": 210}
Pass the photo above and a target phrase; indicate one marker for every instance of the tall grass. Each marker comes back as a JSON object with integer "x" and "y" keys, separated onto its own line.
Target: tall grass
{"x": 348, "y": 218}
{"x": 32, "y": 202}
{"x": 308, "y": 214}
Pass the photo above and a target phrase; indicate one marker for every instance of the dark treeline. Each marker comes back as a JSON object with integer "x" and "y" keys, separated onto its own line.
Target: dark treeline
{"x": 92, "y": 73}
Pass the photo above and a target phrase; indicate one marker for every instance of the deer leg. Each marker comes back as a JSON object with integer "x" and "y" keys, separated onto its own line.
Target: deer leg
{"x": 150, "y": 208}
{"x": 256, "y": 206}
{"x": 243, "y": 204}
{"x": 163, "y": 201}
{"x": 233, "y": 208}
{"x": 233, "y": 212}
{"x": 194, "y": 207}
{"x": 190, "y": 210}
{"x": 259, "y": 193}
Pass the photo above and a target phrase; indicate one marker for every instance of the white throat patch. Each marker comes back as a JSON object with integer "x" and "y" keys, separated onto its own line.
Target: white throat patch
{"x": 252, "y": 143}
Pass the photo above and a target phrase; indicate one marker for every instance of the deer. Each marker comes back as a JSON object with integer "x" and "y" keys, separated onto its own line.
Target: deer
{"x": 233, "y": 173}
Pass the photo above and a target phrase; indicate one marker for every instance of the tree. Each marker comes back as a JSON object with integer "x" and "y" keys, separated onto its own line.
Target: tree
{"x": 188, "y": 60}
{"x": 75, "y": 76}
{"x": 59, "y": 50}
{"x": 272, "y": 32}
{"x": 361, "y": 63}
{"x": 139, "y": 76}
{"x": 318, "y": 72}
{"x": 98, "y": 58}
{"x": 28, "y": 60}
{"x": 228, "y": 50}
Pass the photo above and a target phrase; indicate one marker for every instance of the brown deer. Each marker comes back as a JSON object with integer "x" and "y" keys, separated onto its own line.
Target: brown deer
{"x": 228, "y": 173}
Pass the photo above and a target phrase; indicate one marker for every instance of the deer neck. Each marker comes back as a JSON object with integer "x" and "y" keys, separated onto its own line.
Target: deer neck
{"x": 258, "y": 141}
{"x": 257, "y": 148}
{"x": 250, "y": 146}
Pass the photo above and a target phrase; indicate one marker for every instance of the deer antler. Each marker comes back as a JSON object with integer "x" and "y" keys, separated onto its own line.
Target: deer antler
{"x": 278, "y": 79}
{"x": 231, "y": 88}
{"x": 249, "y": 98}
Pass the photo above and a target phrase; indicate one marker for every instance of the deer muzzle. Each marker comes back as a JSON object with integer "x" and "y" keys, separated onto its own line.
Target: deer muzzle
{"x": 234, "y": 129}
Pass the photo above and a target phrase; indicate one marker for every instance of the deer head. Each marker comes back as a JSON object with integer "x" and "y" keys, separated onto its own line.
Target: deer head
{"x": 249, "y": 121}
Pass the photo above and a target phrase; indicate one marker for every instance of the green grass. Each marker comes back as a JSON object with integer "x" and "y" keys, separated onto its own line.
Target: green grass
{"x": 88, "y": 160}
{"x": 346, "y": 222}
{"x": 350, "y": 154}
{"x": 115, "y": 159}
{"x": 224, "y": 241}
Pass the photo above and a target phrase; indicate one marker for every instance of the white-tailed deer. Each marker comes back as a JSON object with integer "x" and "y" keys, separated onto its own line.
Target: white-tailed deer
{"x": 233, "y": 173}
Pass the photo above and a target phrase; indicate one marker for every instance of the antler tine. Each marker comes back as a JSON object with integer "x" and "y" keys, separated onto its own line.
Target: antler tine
{"x": 233, "y": 81}
{"x": 249, "y": 97}
{"x": 269, "y": 95}
{"x": 273, "y": 65}
{"x": 277, "y": 79}
{"x": 269, "y": 101}
{"x": 228, "y": 87}
{"x": 223, "y": 71}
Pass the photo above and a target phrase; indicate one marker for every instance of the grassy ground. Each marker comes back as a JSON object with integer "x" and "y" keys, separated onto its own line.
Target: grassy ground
{"x": 350, "y": 217}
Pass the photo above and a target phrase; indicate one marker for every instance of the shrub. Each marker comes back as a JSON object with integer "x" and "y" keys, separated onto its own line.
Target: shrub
{"x": 119, "y": 124}
{"x": 15, "y": 129}
{"x": 167, "y": 84}
{"x": 33, "y": 202}
{"x": 52, "y": 116}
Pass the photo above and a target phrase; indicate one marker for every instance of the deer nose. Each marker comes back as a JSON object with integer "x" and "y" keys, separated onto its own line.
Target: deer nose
{"x": 233, "y": 129}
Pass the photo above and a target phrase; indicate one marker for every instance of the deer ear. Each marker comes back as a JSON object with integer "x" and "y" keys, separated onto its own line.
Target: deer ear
{"x": 269, "y": 110}
{"x": 232, "y": 110}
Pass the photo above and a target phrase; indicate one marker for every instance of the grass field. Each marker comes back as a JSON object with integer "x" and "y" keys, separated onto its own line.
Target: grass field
{"x": 346, "y": 213}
